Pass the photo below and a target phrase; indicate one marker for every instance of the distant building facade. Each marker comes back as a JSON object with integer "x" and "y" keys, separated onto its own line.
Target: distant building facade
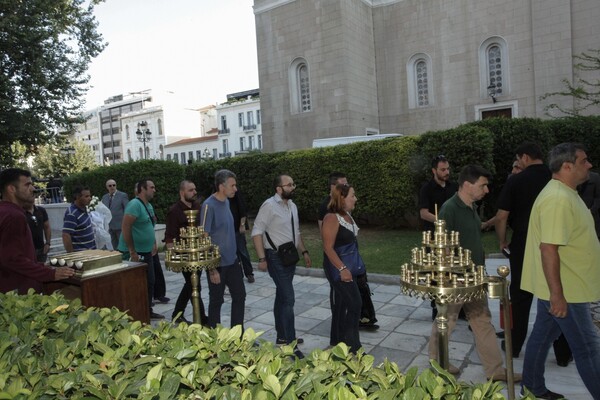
{"x": 139, "y": 126}
{"x": 354, "y": 67}
{"x": 239, "y": 124}
{"x": 187, "y": 151}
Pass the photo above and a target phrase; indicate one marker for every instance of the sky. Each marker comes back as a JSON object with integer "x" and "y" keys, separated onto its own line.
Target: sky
{"x": 200, "y": 49}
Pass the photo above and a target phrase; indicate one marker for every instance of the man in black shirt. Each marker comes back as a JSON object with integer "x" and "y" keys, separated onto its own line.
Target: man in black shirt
{"x": 37, "y": 218}
{"x": 240, "y": 224}
{"x": 516, "y": 201}
{"x": 436, "y": 191}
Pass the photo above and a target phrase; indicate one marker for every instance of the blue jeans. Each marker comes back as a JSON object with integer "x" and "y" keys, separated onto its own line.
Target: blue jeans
{"x": 233, "y": 278}
{"x": 283, "y": 309}
{"x": 581, "y": 335}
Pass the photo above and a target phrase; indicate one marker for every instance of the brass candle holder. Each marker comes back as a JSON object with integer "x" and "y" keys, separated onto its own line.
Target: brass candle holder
{"x": 442, "y": 271}
{"x": 193, "y": 252}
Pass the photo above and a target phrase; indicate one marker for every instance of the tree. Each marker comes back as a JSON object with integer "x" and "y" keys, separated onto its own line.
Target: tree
{"x": 45, "y": 49}
{"x": 53, "y": 160}
{"x": 585, "y": 92}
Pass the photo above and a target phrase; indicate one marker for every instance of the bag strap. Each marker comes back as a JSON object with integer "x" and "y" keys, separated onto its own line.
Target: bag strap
{"x": 148, "y": 211}
{"x": 293, "y": 234}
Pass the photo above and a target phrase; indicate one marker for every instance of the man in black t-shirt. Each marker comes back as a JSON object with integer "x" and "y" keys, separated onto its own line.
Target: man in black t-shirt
{"x": 516, "y": 201}
{"x": 37, "y": 219}
{"x": 436, "y": 191}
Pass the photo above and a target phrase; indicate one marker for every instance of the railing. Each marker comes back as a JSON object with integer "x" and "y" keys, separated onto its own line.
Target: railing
{"x": 222, "y": 131}
{"x": 250, "y": 127}
{"x": 48, "y": 196}
{"x": 223, "y": 155}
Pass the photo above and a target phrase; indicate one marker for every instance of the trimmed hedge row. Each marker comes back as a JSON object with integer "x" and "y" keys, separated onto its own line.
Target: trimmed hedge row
{"x": 51, "y": 348}
{"x": 387, "y": 173}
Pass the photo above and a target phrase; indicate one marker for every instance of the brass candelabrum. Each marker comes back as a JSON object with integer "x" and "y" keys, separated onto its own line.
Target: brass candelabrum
{"x": 442, "y": 271}
{"x": 193, "y": 252}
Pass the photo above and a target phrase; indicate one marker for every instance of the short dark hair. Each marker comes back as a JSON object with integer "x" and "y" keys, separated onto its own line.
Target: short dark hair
{"x": 471, "y": 173}
{"x": 335, "y": 176}
{"x": 77, "y": 190}
{"x": 221, "y": 177}
{"x": 277, "y": 181}
{"x": 438, "y": 159}
{"x": 141, "y": 184}
{"x": 10, "y": 176}
{"x": 562, "y": 153}
{"x": 532, "y": 149}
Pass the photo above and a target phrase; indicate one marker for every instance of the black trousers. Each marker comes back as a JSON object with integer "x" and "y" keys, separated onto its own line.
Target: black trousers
{"x": 186, "y": 295}
{"x": 160, "y": 286}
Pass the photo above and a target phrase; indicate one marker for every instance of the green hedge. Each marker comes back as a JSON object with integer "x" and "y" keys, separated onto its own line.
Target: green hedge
{"x": 51, "y": 348}
{"x": 387, "y": 173}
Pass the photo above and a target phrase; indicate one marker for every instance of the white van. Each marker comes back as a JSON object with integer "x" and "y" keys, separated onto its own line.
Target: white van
{"x": 334, "y": 141}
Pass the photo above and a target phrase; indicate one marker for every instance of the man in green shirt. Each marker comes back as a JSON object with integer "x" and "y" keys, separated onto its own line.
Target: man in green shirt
{"x": 561, "y": 269}
{"x": 460, "y": 214}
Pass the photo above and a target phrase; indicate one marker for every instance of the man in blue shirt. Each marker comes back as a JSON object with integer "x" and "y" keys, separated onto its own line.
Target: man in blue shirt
{"x": 78, "y": 232}
{"x": 218, "y": 223}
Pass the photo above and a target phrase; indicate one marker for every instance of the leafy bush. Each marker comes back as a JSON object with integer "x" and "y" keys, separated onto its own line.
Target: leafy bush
{"x": 386, "y": 173}
{"x": 51, "y": 348}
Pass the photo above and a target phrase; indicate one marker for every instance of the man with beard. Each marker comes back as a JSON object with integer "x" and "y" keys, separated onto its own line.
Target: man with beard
{"x": 218, "y": 223}
{"x": 18, "y": 267}
{"x": 176, "y": 220}
{"x": 137, "y": 241}
{"x": 277, "y": 223}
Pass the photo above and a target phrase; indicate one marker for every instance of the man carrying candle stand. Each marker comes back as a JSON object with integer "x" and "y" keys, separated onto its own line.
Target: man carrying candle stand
{"x": 460, "y": 214}
{"x": 176, "y": 219}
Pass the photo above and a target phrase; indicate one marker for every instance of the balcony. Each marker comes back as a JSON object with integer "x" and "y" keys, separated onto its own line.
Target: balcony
{"x": 223, "y": 155}
{"x": 223, "y": 131}
{"x": 248, "y": 128}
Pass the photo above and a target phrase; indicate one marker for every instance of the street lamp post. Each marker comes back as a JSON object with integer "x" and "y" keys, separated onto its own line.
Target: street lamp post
{"x": 143, "y": 135}
{"x": 206, "y": 154}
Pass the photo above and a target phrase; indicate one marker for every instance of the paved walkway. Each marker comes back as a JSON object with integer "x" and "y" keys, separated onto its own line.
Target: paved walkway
{"x": 405, "y": 324}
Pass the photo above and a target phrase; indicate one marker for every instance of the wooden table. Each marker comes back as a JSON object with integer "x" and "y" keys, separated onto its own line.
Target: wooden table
{"x": 123, "y": 286}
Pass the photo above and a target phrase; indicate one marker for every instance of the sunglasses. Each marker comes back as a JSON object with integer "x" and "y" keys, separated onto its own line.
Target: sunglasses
{"x": 111, "y": 185}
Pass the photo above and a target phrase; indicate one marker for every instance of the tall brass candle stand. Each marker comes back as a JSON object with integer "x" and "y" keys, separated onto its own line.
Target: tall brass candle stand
{"x": 193, "y": 252}
{"x": 442, "y": 271}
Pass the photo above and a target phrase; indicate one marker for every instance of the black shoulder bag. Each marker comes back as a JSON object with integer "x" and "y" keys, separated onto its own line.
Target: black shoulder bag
{"x": 288, "y": 253}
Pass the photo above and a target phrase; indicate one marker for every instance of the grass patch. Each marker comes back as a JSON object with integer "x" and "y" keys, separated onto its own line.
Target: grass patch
{"x": 383, "y": 250}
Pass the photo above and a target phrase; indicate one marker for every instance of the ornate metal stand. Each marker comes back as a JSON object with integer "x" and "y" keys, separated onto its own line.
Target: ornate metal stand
{"x": 193, "y": 252}
{"x": 443, "y": 271}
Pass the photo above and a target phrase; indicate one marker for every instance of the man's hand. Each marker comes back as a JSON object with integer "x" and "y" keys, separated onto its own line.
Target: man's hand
{"x": 63, "y": 273}
{"x": 307, "y": 260}
{"x": 215, "y": 277}
{"x": 133, "y": 256}
{"x": 558, "y": 306}
{"x": 262, "y": 265}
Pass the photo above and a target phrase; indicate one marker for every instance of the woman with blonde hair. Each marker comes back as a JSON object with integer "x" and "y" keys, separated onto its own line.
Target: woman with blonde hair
{"x": 343, "y": 261}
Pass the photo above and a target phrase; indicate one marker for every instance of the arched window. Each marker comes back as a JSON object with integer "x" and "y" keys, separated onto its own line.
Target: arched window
{"x": 419, "y": 80}
{"x": 299, "y": 81}
{"x": 141, "y": 157}
{"x": 128, "y": 154}
{"x": 493, "y": 68}
{"x": 161, "y": 149}
{"x": 127, "y": 131}
{"x": 160, "y": 127}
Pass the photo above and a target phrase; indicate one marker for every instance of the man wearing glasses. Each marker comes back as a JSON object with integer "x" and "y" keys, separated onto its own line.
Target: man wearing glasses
{"x": 276, "y": 224}
{"x": 116, "y": 201}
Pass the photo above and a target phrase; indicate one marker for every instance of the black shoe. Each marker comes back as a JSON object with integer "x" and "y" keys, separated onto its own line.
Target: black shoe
{"x": 564, "y": 363}
{"x": 549, "y": 395}
{"x": 283, "y": 341}
{"x": 163, "y": 299}
{"x": 154, "y": 315}
{"x": 299, "y": 354}
{"x": 462, "y": 315}
{"x": 368, "y": 327}
{"x": 500, "y": 335}
{"x": 181, "y": 320}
